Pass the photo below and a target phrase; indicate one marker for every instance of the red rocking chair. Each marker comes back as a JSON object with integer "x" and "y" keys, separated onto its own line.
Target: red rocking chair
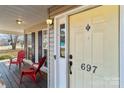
{"x": 32, "y": 71}
{"x": 19, "y": 60}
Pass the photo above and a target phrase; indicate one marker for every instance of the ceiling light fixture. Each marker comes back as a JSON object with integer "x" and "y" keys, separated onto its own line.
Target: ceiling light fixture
{"x": 19, "y": 21}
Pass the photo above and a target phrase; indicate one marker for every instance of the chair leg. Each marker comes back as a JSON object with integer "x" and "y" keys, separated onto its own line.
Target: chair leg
{"x": 19, "y": 67}
{"x": 34, "y": 77}
{"x": 9, "y": 65}
{"x": 21, "y": 77}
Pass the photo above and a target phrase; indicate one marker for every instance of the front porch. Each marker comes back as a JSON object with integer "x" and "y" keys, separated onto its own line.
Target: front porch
{"x": 12, "y": 77}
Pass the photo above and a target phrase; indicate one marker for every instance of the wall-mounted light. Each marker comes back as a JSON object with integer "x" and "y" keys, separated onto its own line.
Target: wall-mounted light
{"x": 49, "y": 21}
{"x": 19, "y": 21}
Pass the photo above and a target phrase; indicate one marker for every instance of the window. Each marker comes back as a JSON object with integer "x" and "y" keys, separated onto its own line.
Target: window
{"x": 62, "y": 40}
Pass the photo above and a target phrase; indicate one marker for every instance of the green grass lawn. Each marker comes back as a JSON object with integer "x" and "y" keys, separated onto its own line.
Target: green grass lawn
{"x": 5, "y": 57}
{"x": 6, "y": 52}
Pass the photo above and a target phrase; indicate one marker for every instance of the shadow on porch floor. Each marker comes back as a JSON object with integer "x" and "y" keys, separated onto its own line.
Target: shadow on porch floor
{"x": 12, "y": 77}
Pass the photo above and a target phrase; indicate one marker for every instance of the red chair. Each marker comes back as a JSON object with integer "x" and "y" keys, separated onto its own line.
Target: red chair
{"x": 32, "y": 71}
{"x": 19, "y": 60}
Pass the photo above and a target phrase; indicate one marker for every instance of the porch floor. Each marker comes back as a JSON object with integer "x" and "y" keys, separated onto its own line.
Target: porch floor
{"x": 12, "y": 77}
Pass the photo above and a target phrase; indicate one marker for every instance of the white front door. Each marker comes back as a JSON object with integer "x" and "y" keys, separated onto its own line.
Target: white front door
{"x": 93, "y": 46}
{"x": 60, "y": 53}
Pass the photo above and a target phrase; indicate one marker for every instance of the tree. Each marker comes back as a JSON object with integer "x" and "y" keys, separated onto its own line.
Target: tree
{"x": 13, "y": 41}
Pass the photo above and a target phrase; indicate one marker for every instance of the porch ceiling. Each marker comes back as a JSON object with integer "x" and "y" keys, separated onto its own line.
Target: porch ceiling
{"x": 30, "y": 15}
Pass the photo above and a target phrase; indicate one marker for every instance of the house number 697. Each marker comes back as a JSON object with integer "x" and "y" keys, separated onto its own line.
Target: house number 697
{"x": 88, "y": 67}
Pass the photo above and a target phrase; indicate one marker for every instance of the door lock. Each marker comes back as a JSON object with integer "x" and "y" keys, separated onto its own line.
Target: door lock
{"x": 55, "y": 57}
{"x": 70, "y": 63}
{"x": 70, "y": 56}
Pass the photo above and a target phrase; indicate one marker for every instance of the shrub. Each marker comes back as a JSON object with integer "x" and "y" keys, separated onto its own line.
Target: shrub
{"x": 5, "y": 57}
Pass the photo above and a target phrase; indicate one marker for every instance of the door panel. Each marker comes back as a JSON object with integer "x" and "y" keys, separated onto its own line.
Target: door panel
{"x": 94, "y": 46}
